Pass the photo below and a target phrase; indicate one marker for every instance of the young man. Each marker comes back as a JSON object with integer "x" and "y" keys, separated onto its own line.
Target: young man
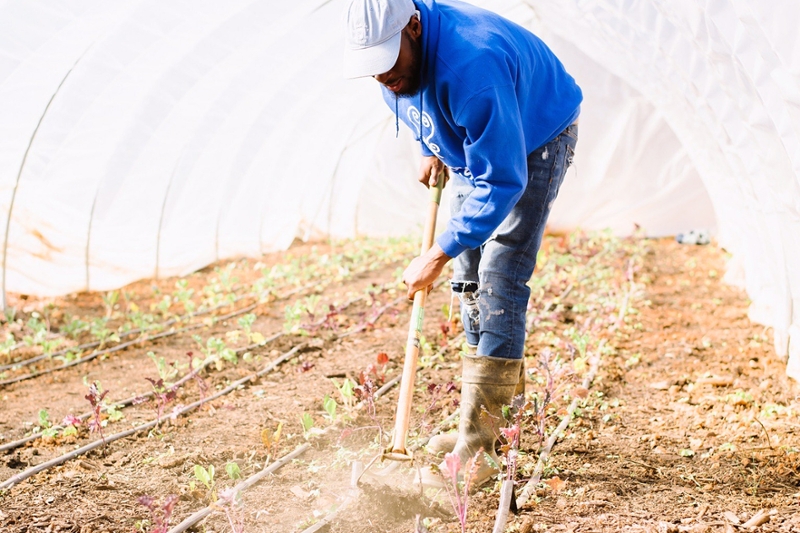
{"x": 489, "y": 100}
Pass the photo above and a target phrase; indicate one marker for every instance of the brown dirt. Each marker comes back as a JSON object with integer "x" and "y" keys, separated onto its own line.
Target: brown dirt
{"x": 690, "y": 422}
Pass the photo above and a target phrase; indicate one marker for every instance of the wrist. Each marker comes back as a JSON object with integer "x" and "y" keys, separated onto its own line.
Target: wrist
{"x": 437, "y": 255}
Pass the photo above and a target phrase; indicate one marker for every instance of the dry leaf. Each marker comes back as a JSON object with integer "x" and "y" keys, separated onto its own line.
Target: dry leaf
{"x": 556, "y": 484}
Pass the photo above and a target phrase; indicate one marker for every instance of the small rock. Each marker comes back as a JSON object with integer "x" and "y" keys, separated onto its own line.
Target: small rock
{"x": 666, "y": 527}
{"x": 661, "y": 385}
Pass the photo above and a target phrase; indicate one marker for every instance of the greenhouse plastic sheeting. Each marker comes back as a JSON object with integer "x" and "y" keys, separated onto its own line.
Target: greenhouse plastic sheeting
{"x": 151, "y": 138}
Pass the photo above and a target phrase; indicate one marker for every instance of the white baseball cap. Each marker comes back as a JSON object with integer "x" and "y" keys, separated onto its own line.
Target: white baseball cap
{"x": 373, "y": 34}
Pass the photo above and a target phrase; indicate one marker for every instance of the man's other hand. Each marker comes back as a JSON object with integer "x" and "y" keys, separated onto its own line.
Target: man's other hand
{"x": 429, "y": 169}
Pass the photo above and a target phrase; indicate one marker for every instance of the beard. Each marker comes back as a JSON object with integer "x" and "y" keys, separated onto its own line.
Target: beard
{"x": 415, "y": 79}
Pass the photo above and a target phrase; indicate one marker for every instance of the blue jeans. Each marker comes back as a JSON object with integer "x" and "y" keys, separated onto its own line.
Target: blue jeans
{"x": 503, "y": 265}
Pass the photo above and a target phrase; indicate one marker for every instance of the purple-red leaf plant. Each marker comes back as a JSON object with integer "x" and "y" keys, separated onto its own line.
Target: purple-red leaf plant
{"x": 160, "y": 514}
{"x": 437, "y": 392}
{"x": 201, "y": 384}
{"x": 162, "y": 396}
{"x": 95, "y": 398}
{"x": 230, "y": 501}
{"x": 458, "y": 489}
{"x": 71, "y": 420}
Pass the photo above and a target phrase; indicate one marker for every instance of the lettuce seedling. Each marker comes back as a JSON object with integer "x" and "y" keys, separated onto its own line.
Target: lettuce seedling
{"x": 205, "y": 476}
{"x": 48, "y": 431}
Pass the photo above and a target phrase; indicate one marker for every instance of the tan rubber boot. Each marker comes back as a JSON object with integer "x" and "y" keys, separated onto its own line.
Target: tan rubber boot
{"x": 445, "y": 442}
{"x": 486, "y": 383}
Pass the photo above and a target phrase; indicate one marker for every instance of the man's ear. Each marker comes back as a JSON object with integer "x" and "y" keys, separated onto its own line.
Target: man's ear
{"x": 414, "y": 27}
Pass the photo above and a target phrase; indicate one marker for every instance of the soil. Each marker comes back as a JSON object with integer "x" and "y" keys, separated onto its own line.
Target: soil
{"x": 691, "y": 424}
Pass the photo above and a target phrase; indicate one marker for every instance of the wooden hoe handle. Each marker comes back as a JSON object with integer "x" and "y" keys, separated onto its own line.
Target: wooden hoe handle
{"x": 397, "y": 451}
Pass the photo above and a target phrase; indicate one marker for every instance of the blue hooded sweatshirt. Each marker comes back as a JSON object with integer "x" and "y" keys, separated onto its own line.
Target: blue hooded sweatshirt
{"x": 492, "y": 92}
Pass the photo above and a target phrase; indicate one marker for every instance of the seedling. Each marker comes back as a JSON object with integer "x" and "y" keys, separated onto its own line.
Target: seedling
{"x": 230, "y": 501}
{"x": 109, "y": 301}
{"x": 166, "y": 371}
{"x": 46, "y": 426}
{"x": 308, "y": 426}
{"x": 329, "y": 404}
{"x": 233, "y": 471}
{"x": 201, "y": 384}
{"x": 206, "y": 477}
{"x": 162, "y": 396}
{"x": 6, "y": 345}
{"x": 184, "y": 295}
{"x": 102, "y": 333}
{"x": 70, "y": 424}
{"x": 458, "y": 489}
{"x": 160, "y": 514}
{"x": 95, "y": 398}
{"x": 38, "y": 329}
{"x": 217, "y": 351}
{"x": 346, "y": 391}
{"x": 272, "y": 438}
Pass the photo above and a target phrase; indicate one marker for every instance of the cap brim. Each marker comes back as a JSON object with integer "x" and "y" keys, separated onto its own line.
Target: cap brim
{"x": 362, "y": 62}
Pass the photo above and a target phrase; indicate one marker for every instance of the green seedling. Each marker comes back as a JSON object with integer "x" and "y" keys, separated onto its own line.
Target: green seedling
{"x": 110, "y": 301}
{"x": 216, "y": 351}
{"x": 73, "y": 326}
{"x": 347, "y": 393}
{"x": 166, "y": 371}
{"x": 6, "y": 345}
{"x": 38, "y": 330}
{"x": 102, "y": 333}
{"x": 308, "y": 426}
{"x": 184, "y": 295}
{"x": 233, "y": 471}
{"x": 205, "y": 476}
{"x": 329, "y": 404}
{"x": 45, "y": 425}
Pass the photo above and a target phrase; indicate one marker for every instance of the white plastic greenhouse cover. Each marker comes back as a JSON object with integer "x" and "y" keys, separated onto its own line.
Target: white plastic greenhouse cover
{"x": 150, "y": 138}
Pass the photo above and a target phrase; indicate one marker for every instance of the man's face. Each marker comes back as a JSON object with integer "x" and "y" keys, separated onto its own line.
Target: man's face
{"x": 405, "y": 76}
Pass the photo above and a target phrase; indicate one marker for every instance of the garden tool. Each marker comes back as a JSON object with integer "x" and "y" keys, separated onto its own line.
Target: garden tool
{"x": 397, "y": 451}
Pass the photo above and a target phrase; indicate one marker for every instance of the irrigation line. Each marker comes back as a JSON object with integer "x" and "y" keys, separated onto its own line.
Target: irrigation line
{"x": 13, "y": 480}
{"x": 127, "y": 402}
{"x": 178, "y": 412}
{"x": 136, "y": 399}
{"x": 124, "y": 345}
{"x": 121, "y": 346}
{"x": 244, "y": 485}
{"x": 260, "y": 296}
{"x": 166, "y": 324}
{"x": 544, "y": 455}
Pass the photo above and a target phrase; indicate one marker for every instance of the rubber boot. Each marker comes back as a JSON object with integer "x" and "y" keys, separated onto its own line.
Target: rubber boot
{"x": 445, "y": 442}
{"x": 487, "y": 383}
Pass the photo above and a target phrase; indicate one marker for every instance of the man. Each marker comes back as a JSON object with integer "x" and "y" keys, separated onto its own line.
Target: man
{"x": 489, "y": 100}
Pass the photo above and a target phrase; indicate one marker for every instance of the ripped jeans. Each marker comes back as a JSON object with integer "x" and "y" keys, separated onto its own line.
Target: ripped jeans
{"x": 503, "y": 265}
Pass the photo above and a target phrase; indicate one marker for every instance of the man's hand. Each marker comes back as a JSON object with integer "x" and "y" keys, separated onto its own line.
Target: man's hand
{"x": 429, "y": 169}
{"x": 424, "y": 270}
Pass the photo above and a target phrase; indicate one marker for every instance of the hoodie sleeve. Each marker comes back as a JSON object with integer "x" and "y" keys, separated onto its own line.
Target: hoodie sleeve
{"x": 496, "y": 158}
